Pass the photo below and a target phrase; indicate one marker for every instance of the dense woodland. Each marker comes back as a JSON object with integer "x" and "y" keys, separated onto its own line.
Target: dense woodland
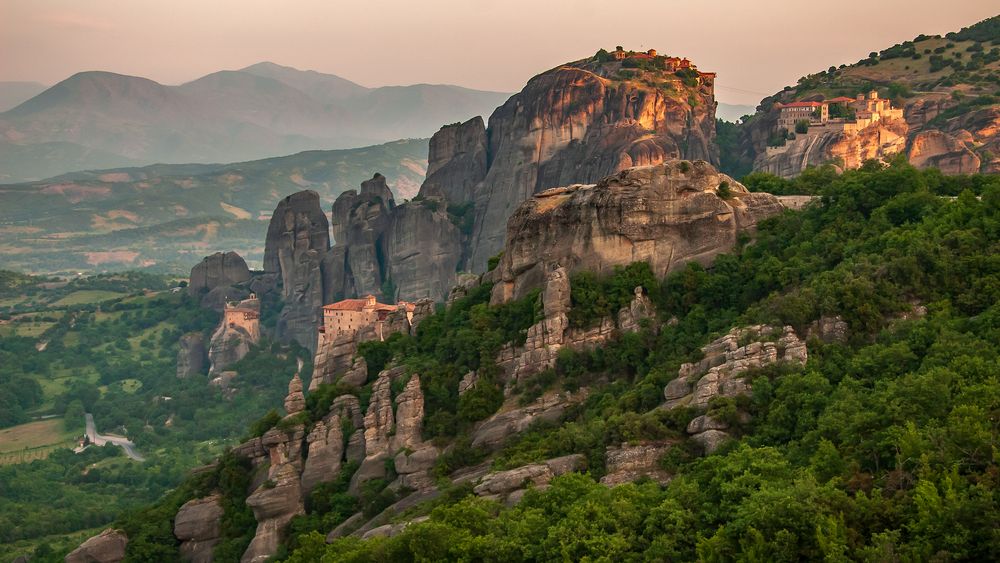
{"x": 882, "y": 448}
{"x": 117, "y": 360}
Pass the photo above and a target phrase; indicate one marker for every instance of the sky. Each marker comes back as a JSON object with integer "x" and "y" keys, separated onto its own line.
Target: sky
{"x": 756, "y": 46}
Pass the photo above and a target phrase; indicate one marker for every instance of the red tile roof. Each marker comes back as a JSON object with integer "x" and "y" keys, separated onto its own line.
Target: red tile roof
{"x": 346, "y": 305}
{"x": 801, "y": 105}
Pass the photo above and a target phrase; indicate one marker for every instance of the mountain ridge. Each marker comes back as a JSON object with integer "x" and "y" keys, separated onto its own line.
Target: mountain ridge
{"x": 231, "y": 115}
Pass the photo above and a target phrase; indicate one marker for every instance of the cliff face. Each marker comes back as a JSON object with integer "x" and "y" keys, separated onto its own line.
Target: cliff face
{"x": 822, "y": 145}
{"x": 298, "y": 239}
{"x": 576, "y": 124}
{"x": 668, "y": 214}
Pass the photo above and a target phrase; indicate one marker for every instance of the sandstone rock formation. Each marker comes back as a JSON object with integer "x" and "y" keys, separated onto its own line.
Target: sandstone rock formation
{"x": 274, "y": 504}
{"x": 456, "y": 162}
{"x": 508, "y": 486}
{"x": 936, "y": 149}
{"x": 579, "y": 123}
{"x": 576, "y": 123}
{"x": 231, "y": 341}
{"x": 198, "y": 526}
{"x": 106, "y": 547}
{"x": 414, "y": 247}
{"x": 295, "y": 401}
{"x": 495, "y": 430}
{"x": 721, "y": 373}
{"x": 627, "y": 462}
{"x": 667, "y": 214}
{"x": 822, "y": 145}
{"x": 192, "y": 356}
{"x": 298, "y": 238}
{"x": 218, "y": 270}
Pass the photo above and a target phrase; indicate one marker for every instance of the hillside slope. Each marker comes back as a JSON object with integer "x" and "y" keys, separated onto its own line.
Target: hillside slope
{"x": 824, "y": 392}
{"x": 949, "y": 91}
{"x": 168, "y": 215}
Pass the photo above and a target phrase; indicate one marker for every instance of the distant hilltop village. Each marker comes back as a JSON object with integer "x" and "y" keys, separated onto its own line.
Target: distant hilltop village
{"x": 848, "y": 113}
{"x": 841, "y": 131}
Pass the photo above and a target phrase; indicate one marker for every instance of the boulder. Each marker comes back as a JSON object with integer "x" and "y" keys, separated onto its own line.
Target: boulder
{"x": 198, "y": 526}
{"x": 106, "y": 547}
{"x": 222, "y": 269}
{"x": 295, "y": 401}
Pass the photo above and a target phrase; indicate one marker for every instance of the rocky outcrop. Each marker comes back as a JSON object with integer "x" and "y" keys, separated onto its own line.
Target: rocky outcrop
{"x": 231, "y": 341}
{"x": 298, "y": 239}
{"x": 936, "y": 149}
{"x": 829, "y": 330}
{"x": 222, "y": 269}
{"x": 295, "y": 401}
{"x": 456, "y": 162}
{"x": 667, "y": 214}
{"x": 192, "y": 358}
{"x": 198, "y": 527}
{"x": 274, "y": 504}
{"x": 511, "y": 420}
{"x": 726, "y": 359}
{"x": 508, "y": 486}
{"x": 414, "y": 247}
{"x": 627, "y": 462}
{"x": 721, "y": 373}
{"x": 578, "y": 123}
{"x": 832, "y": 144}
{"x": 106, "y": 547}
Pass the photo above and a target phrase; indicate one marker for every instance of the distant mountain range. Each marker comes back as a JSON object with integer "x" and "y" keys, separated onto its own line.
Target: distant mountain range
{"x": 101, "y": 119}
{"x": 167, "y": 216}
{"x": 13, "y": 94}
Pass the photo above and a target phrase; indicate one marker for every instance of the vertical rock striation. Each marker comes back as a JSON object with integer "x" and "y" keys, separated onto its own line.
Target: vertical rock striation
{"x": 298, "y": 239}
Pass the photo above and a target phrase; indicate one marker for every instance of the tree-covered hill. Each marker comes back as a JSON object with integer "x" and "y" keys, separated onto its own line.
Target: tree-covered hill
{"x": 881, "y": 448}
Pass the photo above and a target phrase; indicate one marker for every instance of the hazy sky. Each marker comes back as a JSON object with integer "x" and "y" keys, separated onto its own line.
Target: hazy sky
{"x": 756, "y": 46}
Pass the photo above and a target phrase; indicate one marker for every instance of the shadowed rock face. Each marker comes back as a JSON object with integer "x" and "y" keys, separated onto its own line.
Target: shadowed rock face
{"x": 192, "y": 356}
{"x": 456, "y": 162}
{"x": 298, "y": 239}
{"x": 222, "y": 269}
{"x": 667, "y": 214}
{"x": 198, "y": 526}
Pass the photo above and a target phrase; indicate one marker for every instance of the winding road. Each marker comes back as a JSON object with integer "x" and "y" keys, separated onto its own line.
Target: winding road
{"x": 100, "y": 440}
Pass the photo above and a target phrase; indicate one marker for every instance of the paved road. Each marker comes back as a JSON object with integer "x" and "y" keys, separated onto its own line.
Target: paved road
{"x": 100, "y": 440}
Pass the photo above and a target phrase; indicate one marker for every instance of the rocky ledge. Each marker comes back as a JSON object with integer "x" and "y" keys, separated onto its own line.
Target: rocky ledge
{"x": 667, "y": 214}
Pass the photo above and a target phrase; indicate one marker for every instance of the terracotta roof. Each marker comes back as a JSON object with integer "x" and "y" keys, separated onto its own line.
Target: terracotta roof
{"x": 346, "y": 305}
{"x": 357, "y": 305}
{"x": 801, "y": 105}
{"x": 639, "y": 56}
